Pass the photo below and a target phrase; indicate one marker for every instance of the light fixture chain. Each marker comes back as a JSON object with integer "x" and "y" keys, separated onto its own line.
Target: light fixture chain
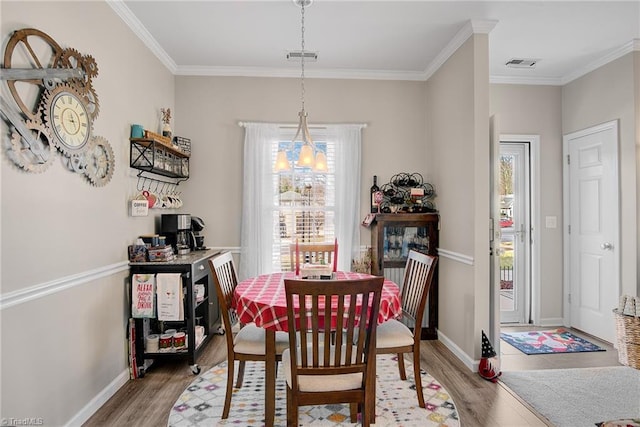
{"x": 302, "y": 58}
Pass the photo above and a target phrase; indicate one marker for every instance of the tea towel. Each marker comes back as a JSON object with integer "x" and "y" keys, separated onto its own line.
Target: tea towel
{"x": 170, "y": 296}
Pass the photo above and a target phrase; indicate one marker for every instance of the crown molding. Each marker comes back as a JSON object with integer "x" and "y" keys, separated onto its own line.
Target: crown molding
{"x": 136, "y": 26}
{"x": 631, "y": 46}
{"x": 471, "y": 27}
{"x": 294, "y": 73}
{"x": 521, "y": 80}
{"x": 482, "y": 26}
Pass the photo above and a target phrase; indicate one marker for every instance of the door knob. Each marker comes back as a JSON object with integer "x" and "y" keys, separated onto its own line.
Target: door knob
{"x": 606, "y": 246}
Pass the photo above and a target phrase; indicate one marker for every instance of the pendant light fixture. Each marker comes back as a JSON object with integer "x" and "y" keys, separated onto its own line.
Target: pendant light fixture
{"x": 308, "y": 156}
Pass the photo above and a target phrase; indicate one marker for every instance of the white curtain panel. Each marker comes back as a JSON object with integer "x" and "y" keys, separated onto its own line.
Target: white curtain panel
{"x": 348, "y": 147}
{"x": 256, "y": 240}
{"x": 257, "y": 201}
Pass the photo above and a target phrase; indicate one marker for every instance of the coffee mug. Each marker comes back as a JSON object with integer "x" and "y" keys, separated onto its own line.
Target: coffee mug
{"x": 150, "y": 197}
{"x": 137, "y": 131}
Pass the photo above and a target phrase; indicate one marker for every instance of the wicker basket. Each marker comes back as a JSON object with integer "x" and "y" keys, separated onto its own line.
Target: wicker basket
{"x": 628, "y": 339}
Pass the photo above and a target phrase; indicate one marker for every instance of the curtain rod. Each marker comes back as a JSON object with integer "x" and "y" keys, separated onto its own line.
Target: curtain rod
{"x": 295, "y": 125}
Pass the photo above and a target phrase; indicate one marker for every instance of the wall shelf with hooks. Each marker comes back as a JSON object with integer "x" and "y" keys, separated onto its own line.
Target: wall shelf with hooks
{"x": 153, "y": 176}
{"x": 152, "y": 156}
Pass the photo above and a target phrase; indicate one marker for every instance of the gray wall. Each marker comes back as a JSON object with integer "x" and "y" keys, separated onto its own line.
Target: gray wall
{"x": 537, "y": 110}
{"x": 64, "y": 314}
{"x": 458, "y": 119}
{"x": 209, "y": 108}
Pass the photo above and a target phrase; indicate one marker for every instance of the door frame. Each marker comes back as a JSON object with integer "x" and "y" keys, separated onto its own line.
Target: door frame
{"x": 613, "y": 124}
{"x": 522, "y": 275}
{"x": 534, "y": 212}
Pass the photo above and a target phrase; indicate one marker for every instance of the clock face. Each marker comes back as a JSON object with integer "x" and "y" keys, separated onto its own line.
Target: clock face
{"x": 70, "y": 120}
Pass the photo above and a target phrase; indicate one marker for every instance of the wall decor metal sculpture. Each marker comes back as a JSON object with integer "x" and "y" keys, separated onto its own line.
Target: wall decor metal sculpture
{"x": 56, "y": 108}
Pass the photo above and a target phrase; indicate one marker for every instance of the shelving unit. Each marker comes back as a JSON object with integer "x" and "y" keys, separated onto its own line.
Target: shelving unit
{"x": 392, "y": 236}
{"x": 153, "y": 156}
{"x": 194, "y": 269}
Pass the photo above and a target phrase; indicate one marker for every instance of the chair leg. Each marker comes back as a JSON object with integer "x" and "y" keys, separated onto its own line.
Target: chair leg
{"x": 364, "y": 413}
{"x": 403, "y": 373}
{"x": 292, "y": 409}
{"x": 418, "y": 378}
{"x": 240, "y": 374}
{"x": 353, "y": 411}
{"x": 227, "y": 397}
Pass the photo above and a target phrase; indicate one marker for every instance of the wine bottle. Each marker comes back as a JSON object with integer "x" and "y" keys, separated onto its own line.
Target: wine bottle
{"x": 374, "y": 190}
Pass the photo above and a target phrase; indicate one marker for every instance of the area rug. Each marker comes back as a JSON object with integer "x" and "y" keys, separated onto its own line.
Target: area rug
{"x": 548, "y": 342}
{"x": 579, "y": 396}
{"x": 202, "y": 402}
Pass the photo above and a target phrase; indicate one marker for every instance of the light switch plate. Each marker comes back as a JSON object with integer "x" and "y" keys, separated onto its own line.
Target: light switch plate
{"x": 551, "y": 221}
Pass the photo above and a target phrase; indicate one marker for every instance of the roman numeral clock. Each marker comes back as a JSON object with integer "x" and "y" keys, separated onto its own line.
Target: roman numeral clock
{"x": 56, "y": 108}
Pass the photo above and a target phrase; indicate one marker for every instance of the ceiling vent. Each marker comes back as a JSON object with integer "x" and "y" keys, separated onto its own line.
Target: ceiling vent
{"x": 522, "y": 63}
{"x": 295, "y": 55}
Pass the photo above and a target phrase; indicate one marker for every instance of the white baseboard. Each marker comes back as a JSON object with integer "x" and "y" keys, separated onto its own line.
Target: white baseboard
{"x": 459, "y": 353}
{"x": 99, "y": 400}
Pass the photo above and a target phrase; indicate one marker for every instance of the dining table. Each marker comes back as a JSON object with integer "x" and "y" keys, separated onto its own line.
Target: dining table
{"x": 262, "y": 300}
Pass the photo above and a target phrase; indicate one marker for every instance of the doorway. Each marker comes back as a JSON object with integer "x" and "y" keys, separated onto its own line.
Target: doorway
{"x": 515, "y": 231}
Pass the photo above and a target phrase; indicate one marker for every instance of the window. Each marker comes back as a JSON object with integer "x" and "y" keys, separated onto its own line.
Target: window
{"x": 326, "y": 206}
{"x": 304, "y": 201}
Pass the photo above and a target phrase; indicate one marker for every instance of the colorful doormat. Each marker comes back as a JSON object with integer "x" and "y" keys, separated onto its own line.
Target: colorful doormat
{"x": 202, "y": 402}
{"x": 548, "y": 342}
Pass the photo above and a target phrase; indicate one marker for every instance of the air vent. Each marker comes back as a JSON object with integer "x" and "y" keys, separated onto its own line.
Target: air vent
{"x": 297, "y": 54}
{"x": 522, "y": 63}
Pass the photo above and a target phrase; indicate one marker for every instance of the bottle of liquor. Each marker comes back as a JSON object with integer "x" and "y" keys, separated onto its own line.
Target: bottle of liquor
{"x": 374, "y": 190}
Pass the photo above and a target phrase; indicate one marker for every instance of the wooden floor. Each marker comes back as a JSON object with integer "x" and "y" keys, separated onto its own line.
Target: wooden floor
{"x": 147, "y": 401}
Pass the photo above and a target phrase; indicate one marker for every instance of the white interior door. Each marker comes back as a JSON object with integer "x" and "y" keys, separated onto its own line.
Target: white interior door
{"x": 591, "y": 174}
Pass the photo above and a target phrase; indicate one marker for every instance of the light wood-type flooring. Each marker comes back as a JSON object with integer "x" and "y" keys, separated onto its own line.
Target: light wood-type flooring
{"x": 147, "y": 401}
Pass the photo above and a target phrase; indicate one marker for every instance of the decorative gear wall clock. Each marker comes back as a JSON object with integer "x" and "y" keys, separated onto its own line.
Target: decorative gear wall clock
{"x": 56, "y": 107}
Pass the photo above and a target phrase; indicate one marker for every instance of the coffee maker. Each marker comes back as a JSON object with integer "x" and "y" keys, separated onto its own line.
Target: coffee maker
{"x": 177, "y": 229}
{"x": 197, "y": 240}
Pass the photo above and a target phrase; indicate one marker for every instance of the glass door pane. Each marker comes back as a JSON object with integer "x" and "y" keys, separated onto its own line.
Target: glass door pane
{"x": 514, "y": 225}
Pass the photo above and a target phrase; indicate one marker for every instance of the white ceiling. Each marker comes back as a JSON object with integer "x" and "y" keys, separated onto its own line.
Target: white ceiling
{"x": 405, "y": 40}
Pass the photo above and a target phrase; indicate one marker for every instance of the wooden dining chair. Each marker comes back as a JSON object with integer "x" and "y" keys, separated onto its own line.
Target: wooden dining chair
{"x": 312, "y": 253}
{"x": 395, "y": 336}
{"x": 318, "y": 370}
{"x": 248, "y": 343}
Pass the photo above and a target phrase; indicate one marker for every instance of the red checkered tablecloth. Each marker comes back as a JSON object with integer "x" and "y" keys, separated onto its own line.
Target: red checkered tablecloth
{"x": 262, "y": 299}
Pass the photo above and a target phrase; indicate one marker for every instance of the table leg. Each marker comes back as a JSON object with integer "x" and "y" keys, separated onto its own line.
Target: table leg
{"x": 270, "y": 378}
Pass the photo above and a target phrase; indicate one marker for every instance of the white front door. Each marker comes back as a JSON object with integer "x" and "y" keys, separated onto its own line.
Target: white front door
{"x": 515, "y": 224}
{"x": 592, "y": 232}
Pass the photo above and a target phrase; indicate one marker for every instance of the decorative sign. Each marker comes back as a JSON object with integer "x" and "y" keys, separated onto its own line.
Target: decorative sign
{"x": 139, "y": 207}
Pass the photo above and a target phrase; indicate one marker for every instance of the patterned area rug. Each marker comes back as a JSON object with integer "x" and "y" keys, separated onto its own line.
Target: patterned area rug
{"x": 397, "y": 404}
{"x": 548, "y": 342}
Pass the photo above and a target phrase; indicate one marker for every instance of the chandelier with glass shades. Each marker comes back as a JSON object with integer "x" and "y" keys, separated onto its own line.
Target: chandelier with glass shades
{"x": 309, "y": 156}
